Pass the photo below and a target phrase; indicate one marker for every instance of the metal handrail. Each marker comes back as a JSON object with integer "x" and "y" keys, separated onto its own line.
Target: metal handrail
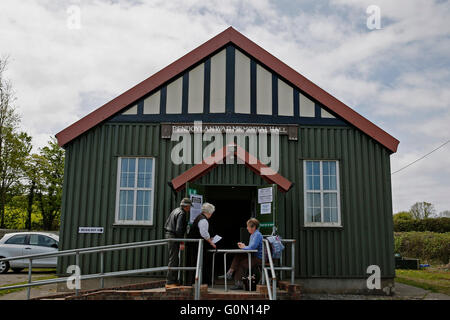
{"x": 272, "y": 296}
{"x": 273, "y": 293}
{"x": 102, "y": 275}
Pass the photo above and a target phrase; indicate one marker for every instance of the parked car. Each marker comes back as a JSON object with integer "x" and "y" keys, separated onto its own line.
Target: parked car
{"x": 26, "y": 243}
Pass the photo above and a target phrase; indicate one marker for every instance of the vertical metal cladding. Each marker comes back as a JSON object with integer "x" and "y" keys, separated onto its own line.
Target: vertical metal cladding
{"x": 365, "y": 238}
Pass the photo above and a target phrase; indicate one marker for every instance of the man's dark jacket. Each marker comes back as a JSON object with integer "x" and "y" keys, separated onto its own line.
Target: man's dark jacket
{"x": 176, "y": 223}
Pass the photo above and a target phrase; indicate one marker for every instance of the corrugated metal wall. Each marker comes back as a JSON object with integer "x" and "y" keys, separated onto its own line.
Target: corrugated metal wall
{"x": 366, "y": 236}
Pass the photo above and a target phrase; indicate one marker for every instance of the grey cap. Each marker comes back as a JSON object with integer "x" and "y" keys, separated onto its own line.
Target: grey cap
{"x": 185, "y": 202}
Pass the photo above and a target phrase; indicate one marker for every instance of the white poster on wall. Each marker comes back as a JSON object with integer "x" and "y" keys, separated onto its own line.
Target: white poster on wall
{"x": 265, "y": 195}
{"x": 196, "y": 207}
{"x": 266, "y": 208}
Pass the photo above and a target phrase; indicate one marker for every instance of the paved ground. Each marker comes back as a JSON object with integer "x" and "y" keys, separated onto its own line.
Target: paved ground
{"x": 10, "y": 278}
{"x": 403, "y": 291}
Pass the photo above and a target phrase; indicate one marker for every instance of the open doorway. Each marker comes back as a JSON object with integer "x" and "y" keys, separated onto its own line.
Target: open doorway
{"x": 234, "y": 206}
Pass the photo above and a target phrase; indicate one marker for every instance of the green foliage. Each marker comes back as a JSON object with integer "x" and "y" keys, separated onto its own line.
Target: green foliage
{"x": 440, "y": 225}
{"x": 403, "y": 215}
{"x": 16, "y": 218}
{"x": 429, "y": 247}
{"x": 48, "y": 174}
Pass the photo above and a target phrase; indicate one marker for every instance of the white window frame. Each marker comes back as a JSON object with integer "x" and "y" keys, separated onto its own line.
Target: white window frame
{"x": 321, "y": 191}
{"x": 135, "y": 189}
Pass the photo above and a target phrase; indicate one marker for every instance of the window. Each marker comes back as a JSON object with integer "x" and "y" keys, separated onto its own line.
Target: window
{"x": 42, "y": 241}
{"x": 322, "y": 200}
{"x": 19, "y": 239}
{"x": 134, "y": 200}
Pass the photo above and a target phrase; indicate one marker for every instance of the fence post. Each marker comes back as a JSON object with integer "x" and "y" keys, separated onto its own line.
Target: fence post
{"x": 293, "y": 262}
{"x": 102, "y": 279}
{"x": 77, "y": 263}
{"x": 30, "y": 266}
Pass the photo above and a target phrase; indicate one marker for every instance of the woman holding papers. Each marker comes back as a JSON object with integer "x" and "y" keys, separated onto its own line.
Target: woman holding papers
{"x": 200, "y": 229}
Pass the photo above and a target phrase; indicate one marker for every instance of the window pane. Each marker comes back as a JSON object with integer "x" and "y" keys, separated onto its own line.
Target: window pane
{"x": 126, "y": 203}
{"x": 313, "y": 207}
{"x": 309, "y": 169}
{"x": 309, "y": 217}
{"x": 143, "y": 205}
{"x": 333, "y": 168}
{"x": 309, "y": 182}
{"x": 19, "y": 239}
{"x": 316, "y": 182}
{"x": 329, "y": 175}
{"x": 325, "y": 168}
{"x": 316, "y": 168}
{"x": 326, "y": 183}
{"x": 130, "y": 205}
{"x": 34, "y": 239}
{"x": 326, "y": 215}
{"x": 313, "y": 175}
{"x": 145, "y": 173}
{"x": 334, "y": 215}
{"x": 316, "y": 214}
{"x": 330, "y": 207}
{"x": 127, "y": 174}
{"x": 45, "y": 241}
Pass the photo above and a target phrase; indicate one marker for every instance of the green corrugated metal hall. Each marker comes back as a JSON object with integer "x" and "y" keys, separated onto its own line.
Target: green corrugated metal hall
{"x": 128, "y": 166}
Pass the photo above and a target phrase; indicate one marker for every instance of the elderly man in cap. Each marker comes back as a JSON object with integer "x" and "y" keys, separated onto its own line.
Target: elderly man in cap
{"x": 200, "y": 229}
{"x": 175, "y": 227}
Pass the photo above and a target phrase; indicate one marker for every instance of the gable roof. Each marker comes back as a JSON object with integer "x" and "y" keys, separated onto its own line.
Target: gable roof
{"x": 212, "y": 161}
{"x": 201, "y": 52}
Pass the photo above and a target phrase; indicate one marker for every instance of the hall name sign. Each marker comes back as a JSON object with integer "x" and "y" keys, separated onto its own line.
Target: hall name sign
{"x": 168, "y": 128}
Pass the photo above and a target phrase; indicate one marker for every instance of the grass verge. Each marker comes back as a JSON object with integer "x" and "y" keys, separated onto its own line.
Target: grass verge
{"x": 434, "y": 279}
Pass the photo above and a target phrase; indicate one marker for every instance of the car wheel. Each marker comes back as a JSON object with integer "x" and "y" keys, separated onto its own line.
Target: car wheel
{"x": 4, "y": 266}
{"x": 17, "y": 270}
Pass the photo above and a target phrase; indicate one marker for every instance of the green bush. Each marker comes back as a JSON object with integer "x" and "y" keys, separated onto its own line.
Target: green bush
{"x": 429, "y": 247}
{"x": 403, "y": 224}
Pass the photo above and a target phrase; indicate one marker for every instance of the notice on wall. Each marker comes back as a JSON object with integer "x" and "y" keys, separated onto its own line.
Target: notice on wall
{"x": 265, "y": 195}
{"x": 196, "y": 208}
{"x": 266, "y": 208}
{"x": 90, "y": 229}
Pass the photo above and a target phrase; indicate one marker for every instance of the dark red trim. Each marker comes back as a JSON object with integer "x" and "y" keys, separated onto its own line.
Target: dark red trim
{"x": 211, "y": 162}
{"x": 201, "y": 52}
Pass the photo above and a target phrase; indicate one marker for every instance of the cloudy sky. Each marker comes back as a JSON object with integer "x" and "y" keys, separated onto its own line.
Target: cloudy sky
{"x": 397, "y": 76}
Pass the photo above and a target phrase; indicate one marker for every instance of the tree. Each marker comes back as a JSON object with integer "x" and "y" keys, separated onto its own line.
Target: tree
{"x": 48, "y": 180}
{"x": 15, "y": 146}
{"x": 422, "y": 210}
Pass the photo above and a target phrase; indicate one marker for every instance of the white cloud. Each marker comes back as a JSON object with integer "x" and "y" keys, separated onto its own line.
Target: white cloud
{"x": 397, "y": 77}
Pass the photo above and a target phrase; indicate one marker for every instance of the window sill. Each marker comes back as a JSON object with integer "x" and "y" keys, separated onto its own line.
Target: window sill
{"x": 325, "y": 226}
{"x": 132, "y": 225}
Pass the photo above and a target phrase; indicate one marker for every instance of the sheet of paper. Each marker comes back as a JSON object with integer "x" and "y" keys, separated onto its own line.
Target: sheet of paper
{"x": 216, "y": 238}
{"x": 265, "y": 195}
{"x": 266, "y": 208}
{"x": 196, "y": 208}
